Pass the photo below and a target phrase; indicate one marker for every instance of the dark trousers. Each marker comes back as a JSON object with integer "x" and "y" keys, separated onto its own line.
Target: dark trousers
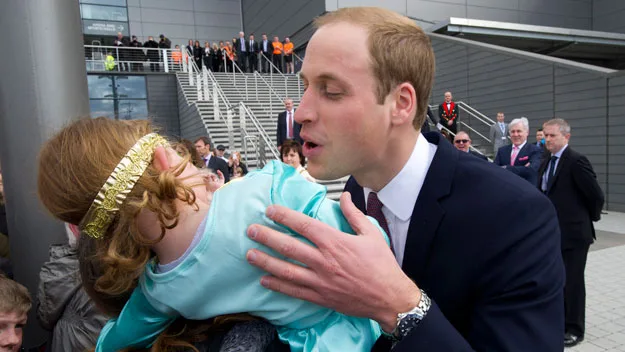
{"x": 575, "y": 289}
{"x": 264, "y": 64}
{"x": 242, "y": 61}
{"x": 253, "y": 60}
{"x": 277, "y": 61}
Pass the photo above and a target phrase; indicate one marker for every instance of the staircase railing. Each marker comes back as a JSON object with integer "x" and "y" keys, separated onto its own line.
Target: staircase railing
{"x": 258, "y": 76}
{"x": 284, "y": 77}
{"x": 132, "y": 59}
{"x": 447, "y": 130}
{"x": 264, "y": 139}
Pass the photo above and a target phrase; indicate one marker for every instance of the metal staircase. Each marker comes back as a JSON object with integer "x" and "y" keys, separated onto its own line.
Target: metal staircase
{"x": 240, "y": 110}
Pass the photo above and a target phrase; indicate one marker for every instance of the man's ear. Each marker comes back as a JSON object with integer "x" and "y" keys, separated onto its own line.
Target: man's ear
{"x": 404, "y": 104}
{"x": 161, "y": 162}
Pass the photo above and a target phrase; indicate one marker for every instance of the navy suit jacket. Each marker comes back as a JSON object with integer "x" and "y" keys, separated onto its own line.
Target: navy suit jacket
{"x": 530, "y": 153}
{"x": 216, "y": 163}
{"x": 281, "y": 132}
{"x": 485, "y": 246}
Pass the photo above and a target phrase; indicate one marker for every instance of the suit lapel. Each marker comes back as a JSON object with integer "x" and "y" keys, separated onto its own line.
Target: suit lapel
{"x": 428, "y": 213}
{"x": 522, "y": 153}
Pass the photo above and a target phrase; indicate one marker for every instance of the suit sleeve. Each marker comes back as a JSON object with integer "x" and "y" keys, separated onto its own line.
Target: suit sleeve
{"x": 527, "y": 171}
{"x": 520, "y": 306}
{"x": 498, "y": 157}
{"x": 440, "y": 112}
{"x": 586, "y": 182}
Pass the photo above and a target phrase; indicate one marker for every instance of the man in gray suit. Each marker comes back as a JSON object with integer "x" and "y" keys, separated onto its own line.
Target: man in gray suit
{"x": 499, "y": 133}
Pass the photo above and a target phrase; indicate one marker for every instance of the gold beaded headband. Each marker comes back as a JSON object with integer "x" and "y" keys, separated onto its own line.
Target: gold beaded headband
{"x": 119, "y": 184}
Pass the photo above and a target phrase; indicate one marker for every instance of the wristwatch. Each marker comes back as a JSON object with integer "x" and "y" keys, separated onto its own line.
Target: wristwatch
{"x": 409, "y": 320}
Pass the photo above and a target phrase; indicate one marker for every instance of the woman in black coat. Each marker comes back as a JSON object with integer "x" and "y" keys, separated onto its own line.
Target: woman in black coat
{"x": 216, "y": 57}
{"x": 198, "y": 52}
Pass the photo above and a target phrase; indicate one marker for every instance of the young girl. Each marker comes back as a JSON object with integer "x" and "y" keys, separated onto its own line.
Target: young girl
{"x": 161, "y": 232}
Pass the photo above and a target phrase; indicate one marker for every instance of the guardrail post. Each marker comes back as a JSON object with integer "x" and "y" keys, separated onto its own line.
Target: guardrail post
{"x": 205, "y": 84}
{"x": 242, "y": 115}
{"x": 165, "y": 60}
{"x": 215, "y": 102}
{"x": 199, "y": 87}
{"x": 190, "y": 74}
{"x": 230, "y": 129}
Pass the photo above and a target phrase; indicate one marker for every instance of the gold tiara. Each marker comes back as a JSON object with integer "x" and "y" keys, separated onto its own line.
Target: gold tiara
{"x": 120, "y": 183}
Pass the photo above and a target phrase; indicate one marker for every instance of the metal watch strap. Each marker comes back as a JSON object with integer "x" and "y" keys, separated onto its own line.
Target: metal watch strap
{"x": 409, "y": 320}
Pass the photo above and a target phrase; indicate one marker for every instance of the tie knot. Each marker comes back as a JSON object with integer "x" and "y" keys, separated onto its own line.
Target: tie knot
{"x": 554, "y": 158}
{"x": 373, "y": 201}
{"x": 515, "y": 148}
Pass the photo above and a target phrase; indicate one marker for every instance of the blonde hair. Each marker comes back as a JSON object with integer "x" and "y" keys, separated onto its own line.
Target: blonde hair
{"x": 73, "y": 166}
{"x": 400, "y": 51}
{"x": 14, "y": 298}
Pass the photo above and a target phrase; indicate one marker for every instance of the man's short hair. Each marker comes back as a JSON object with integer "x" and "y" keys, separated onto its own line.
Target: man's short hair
{"x": 205, "y": 139}
{"x": 399, "y": 51}
{"x": 14, "y": 298}
{"x": 564, "y": 126}
{"x": 523, "y": 121}
{"x": 465, "y": 133}
{"x": 540, "y": 129}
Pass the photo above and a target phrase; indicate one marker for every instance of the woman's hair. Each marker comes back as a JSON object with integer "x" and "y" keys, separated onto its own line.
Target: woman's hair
{"x": 14, "y": 298}
{"x": 186, "y": 148}
{"x": 294, "y": 145}
{"x": 73, "y": 167}
{"x": 197, "y": 43}
{"x": 238, "y": 170}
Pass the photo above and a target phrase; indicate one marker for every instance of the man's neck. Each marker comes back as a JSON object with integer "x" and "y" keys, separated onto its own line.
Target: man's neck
{"x": 385, "y": 168}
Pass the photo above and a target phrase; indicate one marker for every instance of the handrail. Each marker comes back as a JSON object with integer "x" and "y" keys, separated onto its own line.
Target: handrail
{"x": 269, "y": 85}
{"x": 470, "y": 147}
{"x": 435, "y": 108}
{"x": 134, "y": 56}
{"x": 274, "y": 66}
{"x": 297, "y": 57}
{"x": 476, "y": 113}
{"x": 476, "y": 132}
{"x": 261, "y": 129}
{"x": 220, "y": 93}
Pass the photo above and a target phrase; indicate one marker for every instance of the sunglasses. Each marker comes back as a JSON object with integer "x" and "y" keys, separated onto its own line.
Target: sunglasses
{"x": 463, "y": 141}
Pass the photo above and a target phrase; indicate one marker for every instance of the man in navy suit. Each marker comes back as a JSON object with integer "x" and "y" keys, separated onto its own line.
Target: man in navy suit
{"x": 475, "y": 261}
{"x": 288, "y": 128}
{"x": 204, "y": 146}
{"x": 520, "y": 157}
{"x": 567, "y": 178}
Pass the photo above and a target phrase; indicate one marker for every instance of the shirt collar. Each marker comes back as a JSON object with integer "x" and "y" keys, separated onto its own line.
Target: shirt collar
{"x": 559, "y": 153}
{"x": 521, "y": 146}
{"x": 400, "y": 195}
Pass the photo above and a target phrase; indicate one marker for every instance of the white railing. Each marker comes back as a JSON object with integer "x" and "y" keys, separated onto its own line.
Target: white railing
{"x": 132, "y": 59}
{"x": 245, "y": 112}
{"x": 272, "y": 91}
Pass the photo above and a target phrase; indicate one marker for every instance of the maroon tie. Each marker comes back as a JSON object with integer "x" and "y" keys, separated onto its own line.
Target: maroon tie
{"x": 374, "y": 210}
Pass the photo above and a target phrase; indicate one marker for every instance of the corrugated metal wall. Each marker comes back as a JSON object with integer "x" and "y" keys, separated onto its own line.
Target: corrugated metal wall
{"x": 163, "y": 102}
{"x": 493, "y": 79}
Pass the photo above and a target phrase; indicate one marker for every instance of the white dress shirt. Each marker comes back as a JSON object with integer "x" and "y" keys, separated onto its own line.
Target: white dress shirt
{"x": 400, "y": 195}
{"x": 289, "y": 126}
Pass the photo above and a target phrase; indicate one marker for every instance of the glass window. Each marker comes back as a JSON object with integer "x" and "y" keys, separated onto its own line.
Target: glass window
{"x": 131, "y": 87}
{"x": 100, "y": 86}
{"x": 133, "y": 109}
{"x": 102, "y": 107}
{"x": 107, "y": 13}
{"x": 121, "y": 97}
{"x": 105, "y": 2}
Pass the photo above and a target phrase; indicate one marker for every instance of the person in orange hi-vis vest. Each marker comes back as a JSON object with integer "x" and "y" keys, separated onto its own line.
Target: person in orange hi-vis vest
{"x": 278, "y": 49}
{"x": 229, "y": 56}
{"x": 176, "y": 56}
{"x": 288, "y": 55}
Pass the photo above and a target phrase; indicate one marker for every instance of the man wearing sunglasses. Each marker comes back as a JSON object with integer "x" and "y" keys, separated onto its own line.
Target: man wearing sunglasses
{"x": 462, "y": 142}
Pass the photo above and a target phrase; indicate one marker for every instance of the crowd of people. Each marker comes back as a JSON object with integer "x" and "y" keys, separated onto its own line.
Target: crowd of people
{"x": 250, "y": 54}
{"x": 284, "y": 267}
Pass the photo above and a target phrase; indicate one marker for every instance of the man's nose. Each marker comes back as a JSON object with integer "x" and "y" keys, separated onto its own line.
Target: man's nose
{"x": 9, "y": 338}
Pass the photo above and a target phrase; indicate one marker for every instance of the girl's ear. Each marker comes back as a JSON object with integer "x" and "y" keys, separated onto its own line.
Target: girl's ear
{"x": 161, "y": 162}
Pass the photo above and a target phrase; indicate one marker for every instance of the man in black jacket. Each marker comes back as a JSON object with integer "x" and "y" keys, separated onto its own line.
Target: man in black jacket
{"x": 567, "y": 178}
{"x": 152, "y": 54}
{"x": 121, "y": 54}
{"x": 137, "y": 55}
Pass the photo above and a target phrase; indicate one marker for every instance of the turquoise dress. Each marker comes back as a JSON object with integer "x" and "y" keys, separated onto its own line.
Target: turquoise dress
{"x": 215, "y": 279}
